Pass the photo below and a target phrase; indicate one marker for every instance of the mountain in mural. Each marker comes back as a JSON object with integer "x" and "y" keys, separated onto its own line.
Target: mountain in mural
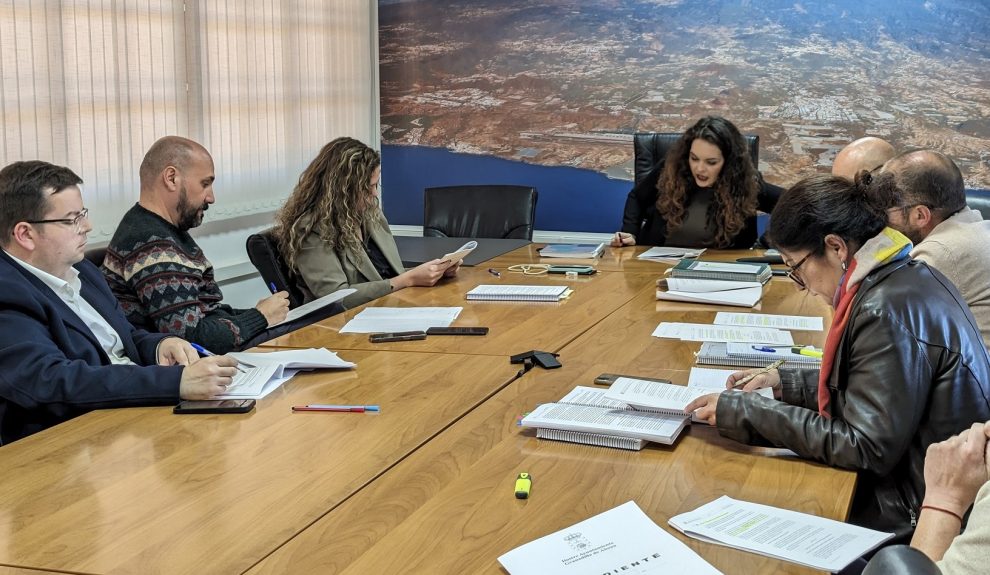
{"x": 568, "y": 82}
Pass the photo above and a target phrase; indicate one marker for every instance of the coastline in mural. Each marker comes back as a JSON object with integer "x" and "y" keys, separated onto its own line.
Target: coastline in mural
{"x": 567, "y": 83}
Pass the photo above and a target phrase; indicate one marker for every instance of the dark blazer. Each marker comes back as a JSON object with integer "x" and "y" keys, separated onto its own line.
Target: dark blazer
{"x": 910, "y": 370}
{"x": 52, "y": 368}
{"x": 641, "y": 219}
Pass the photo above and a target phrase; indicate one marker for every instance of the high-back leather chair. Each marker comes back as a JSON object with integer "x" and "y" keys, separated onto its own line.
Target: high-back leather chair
{"x": 979, "y": 200}
{"x": 264, "y": 254}
{"x": 651, "y": 147}
{"x": 480, "y": 212}
{"x": 96, "y": 255}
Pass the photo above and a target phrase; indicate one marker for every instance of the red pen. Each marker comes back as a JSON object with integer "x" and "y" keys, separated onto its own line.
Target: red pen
{"x": 337, "y": 408}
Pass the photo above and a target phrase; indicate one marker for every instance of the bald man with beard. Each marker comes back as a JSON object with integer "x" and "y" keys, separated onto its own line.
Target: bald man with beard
{"x": 867, "y": 153}
{"x": 158, "y": 272}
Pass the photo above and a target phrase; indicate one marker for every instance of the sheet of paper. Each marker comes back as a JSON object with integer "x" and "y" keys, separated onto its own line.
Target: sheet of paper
{"x": 734, "y": 349}
{"x": 725, "y": 267}
{"x": 794, "y": 322}
{"x": 737, "y": 297}
{"x": 797, "y": 537}
{"x": 390, "y": 319}
{"x": 583, "y": 395}
{"x": 308, "y": 308}
{"x": 707, "y": 378}
{"x": 714, "y": 380}
{"x": 250, "y": 383}
{"x": 620, "y": 539}
{"x": 706, "y": 332}
{"x": 461, "y": 253}
{"x": 273, "y": 369}
{"x": 650, "y": 394}
{"x": 693, "y": 285}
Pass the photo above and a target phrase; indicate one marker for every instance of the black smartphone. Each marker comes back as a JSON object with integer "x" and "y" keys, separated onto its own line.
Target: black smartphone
{"x": 609, "y": 378}
{"x": 457, "y": 331}
{"x": 215, "y": 406}
{"x": 396, "y": 336}
{"x": 578, "y": 269}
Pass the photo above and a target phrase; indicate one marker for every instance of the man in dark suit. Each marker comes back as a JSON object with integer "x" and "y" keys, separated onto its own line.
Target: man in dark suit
{"x": 65, "y": 345}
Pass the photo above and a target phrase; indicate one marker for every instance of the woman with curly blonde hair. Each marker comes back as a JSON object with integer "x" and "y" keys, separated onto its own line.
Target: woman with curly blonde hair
{"x": 333, "y": 235}
{"x": 705, "y": 193}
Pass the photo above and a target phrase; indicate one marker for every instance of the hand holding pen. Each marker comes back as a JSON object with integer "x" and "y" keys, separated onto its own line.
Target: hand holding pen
{"x": 622, "y": 239}
{"x": 770, "y": 378}
{"x": 207, "y": 353}
{"x": 274, "y": 307}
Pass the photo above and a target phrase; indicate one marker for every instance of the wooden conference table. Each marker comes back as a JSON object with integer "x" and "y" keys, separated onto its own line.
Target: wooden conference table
{"x": 423, "y": 487}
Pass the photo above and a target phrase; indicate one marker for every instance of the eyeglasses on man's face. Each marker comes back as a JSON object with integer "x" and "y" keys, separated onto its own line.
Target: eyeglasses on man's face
{"x": 76, "y": 222}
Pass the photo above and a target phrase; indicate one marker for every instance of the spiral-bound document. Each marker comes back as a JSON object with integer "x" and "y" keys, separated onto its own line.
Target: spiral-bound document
{"x": 586, "y": 415}
{"x": 506, "y": 292}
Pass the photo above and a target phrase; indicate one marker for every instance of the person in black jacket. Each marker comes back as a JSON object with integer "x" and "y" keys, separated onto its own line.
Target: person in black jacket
{"x": 705, "y": 193}
{"x": 904, "y": 364}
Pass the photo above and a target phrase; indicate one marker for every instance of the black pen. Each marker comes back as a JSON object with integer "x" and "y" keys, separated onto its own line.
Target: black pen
{"x": 494, "y": 272}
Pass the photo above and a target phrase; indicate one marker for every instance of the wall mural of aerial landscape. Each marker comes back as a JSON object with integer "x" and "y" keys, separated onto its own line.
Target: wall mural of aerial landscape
{"x": 550, "y": 92}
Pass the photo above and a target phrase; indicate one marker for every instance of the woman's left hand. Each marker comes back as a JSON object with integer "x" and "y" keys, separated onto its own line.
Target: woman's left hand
{"x": 452, "y": 270}
{"x": 703, "y": 408}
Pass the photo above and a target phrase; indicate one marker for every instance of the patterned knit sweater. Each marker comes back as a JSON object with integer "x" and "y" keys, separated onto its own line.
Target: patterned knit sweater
{"x": 165, "y": 283}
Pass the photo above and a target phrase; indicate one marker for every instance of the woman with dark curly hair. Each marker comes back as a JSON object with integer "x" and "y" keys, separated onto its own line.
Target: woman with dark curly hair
{"x": 333, "y": 234}
{"x": 705, "y": 193}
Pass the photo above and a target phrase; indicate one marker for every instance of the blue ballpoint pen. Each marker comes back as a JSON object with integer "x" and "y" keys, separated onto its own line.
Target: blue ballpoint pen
{"x": 206, "y": 353}
{"x": 763, "y": 348}
{"x": 271, "y": 286}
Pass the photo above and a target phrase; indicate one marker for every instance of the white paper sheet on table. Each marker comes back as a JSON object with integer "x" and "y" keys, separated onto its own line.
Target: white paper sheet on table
{"x": 737, "y": 297}
{"x": 693, "y": 285}
{"x": 319, "y": 303}
{"x": 621, "y": 538}
{"x": 789, "y": 535}
{"x": 714, "y": 379}
{"x": 708, "y": 332}
{"x": 795, "y": 322}
{"x": 725, "y": 267}
{"x": 273, "y": 369}
{"x": 391, "y": 319}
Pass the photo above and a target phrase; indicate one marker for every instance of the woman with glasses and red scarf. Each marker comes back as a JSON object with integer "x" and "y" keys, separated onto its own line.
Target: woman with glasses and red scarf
{"x": 904, "y": 364}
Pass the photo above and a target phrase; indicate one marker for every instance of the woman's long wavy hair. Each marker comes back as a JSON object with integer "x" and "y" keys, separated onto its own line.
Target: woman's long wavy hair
{"x": 334, "y": 192}
{"x": 736, "y": 188}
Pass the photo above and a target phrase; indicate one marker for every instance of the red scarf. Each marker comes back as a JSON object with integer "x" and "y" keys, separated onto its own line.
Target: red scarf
{"x": 889, "y": 246}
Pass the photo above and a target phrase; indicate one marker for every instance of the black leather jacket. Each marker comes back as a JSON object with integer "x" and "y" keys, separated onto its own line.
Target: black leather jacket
{"x": 910, "y": 370}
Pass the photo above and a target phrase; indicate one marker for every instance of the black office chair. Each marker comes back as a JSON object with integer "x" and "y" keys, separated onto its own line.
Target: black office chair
{"x": 480, "y": 212}
{"x": 979, "y": 200}
{"x": 264, "y": 254}
{"x": 96, "y": 255}
{"x": 901, "y": 560}
{"x": 651, "y": 147}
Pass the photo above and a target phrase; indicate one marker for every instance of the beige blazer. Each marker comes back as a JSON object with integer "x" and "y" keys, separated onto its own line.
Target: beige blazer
{"x": 323, "y": 270}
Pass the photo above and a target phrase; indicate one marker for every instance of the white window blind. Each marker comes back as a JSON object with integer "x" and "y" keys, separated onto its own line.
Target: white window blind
{"x": 263, "y": 84}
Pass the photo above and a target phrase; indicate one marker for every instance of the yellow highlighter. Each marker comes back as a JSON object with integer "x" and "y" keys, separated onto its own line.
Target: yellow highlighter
{"x": 808, "y": 351}
{"x": 523, "y": 484}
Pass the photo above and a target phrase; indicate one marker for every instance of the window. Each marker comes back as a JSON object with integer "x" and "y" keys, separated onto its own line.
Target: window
{"x": 263, "y": 84}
